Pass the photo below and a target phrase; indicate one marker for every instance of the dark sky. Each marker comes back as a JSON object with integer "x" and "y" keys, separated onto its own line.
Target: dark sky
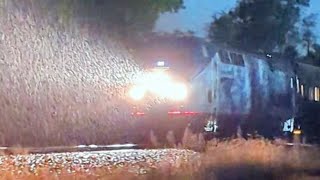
{"x": 198, "y": 14}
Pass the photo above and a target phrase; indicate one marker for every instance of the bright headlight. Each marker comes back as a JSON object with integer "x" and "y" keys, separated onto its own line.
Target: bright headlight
{"x": 159, "y": 84}
{"x": 160, "y": 90}
{"x": 179, "y": 92}
{"x": 137, "y": 92}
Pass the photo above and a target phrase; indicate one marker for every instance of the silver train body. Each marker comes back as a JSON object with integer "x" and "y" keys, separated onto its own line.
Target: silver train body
{"x": 234, "y": 90}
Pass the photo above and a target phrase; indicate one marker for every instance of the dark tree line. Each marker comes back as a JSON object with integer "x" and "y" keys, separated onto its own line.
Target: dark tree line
{"x": 268, "y": 26}
{"x": 263, "y": 26}
{"x": 124, "y": 18}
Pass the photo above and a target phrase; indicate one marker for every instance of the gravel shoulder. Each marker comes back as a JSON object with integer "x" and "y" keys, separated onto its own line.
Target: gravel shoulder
{"x": 137, "y": 161}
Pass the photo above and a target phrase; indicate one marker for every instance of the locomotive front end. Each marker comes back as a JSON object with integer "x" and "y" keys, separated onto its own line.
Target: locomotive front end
{"x": 159, "y": 99}
{"x": 159, "y": 92}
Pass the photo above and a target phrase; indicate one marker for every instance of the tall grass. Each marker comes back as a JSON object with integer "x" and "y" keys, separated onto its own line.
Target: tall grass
{"x": 259, "y": 159}
{"x": 245, "y": 159}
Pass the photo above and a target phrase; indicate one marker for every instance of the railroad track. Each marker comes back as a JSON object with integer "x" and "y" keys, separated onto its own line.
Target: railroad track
{"x": 61, "y": 149}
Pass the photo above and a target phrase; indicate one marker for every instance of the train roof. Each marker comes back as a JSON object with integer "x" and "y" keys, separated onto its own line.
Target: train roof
{"x": 186, "y": 55}
{"x": 274, "y": 60}
{"x": 308, "y": 74}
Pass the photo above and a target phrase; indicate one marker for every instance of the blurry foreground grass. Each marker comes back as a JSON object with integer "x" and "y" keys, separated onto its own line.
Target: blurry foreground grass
{"x": 229, "y": 159}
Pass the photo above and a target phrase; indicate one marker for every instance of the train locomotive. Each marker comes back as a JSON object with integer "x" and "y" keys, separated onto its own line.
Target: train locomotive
{"x": 233, "y": 93}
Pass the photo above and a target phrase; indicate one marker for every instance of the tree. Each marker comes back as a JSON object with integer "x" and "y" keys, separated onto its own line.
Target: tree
{"x": 224, "y": 30}
{"x": 125, "y": 17}
{"x": 290, "y": 52}
{"x": 309, "y": 40}
{"x": 314, "y": 55}
{"x": 308, "y": 23}
{"x": 258, "y": 25}
{"x": 316, "y": 48}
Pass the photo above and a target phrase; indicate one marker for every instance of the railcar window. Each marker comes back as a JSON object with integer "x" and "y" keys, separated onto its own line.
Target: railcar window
{"x": 240, "y": 59}
{"x": 298, "y": 85}
{"x": 224, "y": 55}
{"x": 302, "y": 90}
{"x": 311, "y": 94}
{"x": 316, "y": 94}
{"x": 204, "y": 51}
{"x": 210, "y": 96}
{"x": 237, "y": 59}
{"x": 233, "y": 57}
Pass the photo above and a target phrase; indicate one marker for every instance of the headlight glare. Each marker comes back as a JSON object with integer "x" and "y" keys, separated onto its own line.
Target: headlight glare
{"x": 137, "y": 92}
